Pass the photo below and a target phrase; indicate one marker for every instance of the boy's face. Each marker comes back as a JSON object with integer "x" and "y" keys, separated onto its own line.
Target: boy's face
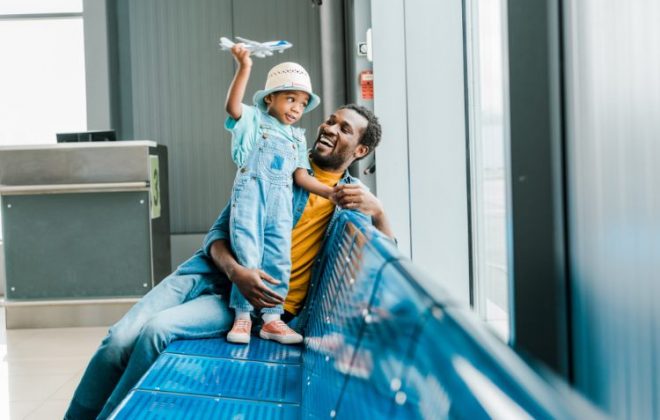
{"x": 287, "y": 106}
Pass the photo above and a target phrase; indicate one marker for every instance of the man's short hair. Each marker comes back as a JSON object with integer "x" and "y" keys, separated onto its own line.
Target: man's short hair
{"x": 371, "y": 135}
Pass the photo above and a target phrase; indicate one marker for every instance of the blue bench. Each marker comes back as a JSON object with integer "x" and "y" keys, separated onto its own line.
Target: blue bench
{"x": 381, "y": 341}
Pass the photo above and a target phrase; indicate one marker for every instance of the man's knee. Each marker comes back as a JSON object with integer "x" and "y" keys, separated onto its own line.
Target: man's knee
{"x": 118, "y": 343}
{"x": 178, "y": 283}
{"x": 158, "y": 332}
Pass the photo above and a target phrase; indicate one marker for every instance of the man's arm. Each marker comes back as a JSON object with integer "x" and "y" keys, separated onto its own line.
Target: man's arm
{"x": 216, "y": 246}
{"x": 219, "y": 230}
{"x": 355, "y": 197}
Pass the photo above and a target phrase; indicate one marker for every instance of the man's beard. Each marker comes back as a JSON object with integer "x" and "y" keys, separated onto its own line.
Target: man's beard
{"x": 330, "y": 162}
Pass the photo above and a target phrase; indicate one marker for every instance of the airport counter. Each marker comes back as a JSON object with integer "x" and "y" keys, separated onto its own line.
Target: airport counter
{"x": 381, "y": 341}
{"x": 86, "y": 230}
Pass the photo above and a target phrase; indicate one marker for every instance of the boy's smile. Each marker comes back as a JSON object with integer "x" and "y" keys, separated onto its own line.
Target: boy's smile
{"x": 287, "y": 106}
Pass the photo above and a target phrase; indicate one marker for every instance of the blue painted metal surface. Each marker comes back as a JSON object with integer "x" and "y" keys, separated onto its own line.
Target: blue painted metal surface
{"x": 258, "y": 350}
{"x": 224, "y": 378}
{"x": 160, "y": 406}
{"x": 382, "y": 341}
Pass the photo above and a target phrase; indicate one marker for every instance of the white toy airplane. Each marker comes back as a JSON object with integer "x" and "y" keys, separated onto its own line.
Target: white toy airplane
{"x": 258, "y": 49}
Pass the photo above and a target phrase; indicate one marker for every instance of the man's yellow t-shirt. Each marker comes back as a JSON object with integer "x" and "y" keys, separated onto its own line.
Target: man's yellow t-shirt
{"x": 307, "y": 238}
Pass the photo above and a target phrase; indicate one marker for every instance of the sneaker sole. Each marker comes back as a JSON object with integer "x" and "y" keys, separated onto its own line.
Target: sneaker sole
{"x": 282, "y": 340}
{"x": 238, "y": 338}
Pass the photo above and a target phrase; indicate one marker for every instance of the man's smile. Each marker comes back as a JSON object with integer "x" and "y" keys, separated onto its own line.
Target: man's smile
{"x": 325, "y": 141}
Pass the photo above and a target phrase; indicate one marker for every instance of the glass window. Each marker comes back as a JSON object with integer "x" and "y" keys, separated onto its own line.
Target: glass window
{"x": 42, "y": 78}
{"x": 43, "y": 89}
{"x": 19, "y": 7}
{"x": 487, "y": 87}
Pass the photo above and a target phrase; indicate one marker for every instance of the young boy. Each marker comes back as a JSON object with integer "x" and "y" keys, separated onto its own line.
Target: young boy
{"x": 270, "y": 153}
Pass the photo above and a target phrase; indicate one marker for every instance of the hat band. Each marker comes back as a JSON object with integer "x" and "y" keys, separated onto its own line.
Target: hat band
{"x": 289, "y": 85}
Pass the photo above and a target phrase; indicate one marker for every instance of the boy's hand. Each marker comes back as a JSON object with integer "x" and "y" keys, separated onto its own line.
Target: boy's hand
{"x": 242, "y": 55}
{"x": 333, "y": 198}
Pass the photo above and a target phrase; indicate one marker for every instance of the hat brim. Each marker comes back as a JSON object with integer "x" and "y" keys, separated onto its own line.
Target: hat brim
{"x": 258, "y": 98}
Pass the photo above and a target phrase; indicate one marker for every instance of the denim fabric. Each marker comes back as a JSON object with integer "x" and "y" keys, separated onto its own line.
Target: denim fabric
{"x": 201, "y": 261}
{"x": 262, "y": 212}
{"x": 181, "y": 306}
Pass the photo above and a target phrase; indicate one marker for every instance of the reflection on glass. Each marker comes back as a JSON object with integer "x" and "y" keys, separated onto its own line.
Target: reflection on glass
{"x": 494, "y": 400}
{"x": 487, "y": 63}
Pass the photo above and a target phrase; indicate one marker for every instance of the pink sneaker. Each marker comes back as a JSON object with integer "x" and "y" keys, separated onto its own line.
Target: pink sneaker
{"x": 240, "y": 332}
{"x": 277, "y": 330}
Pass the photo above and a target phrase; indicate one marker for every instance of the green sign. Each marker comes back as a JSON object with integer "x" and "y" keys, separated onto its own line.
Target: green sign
{"x": 154, "y": 203}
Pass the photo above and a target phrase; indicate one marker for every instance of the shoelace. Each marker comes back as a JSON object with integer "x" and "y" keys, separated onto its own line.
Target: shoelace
{"x": 242, "y": 324}
{"x": 281, "y": 326}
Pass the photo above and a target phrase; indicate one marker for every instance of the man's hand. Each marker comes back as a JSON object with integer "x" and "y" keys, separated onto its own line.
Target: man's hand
{"x": 355, "y": 197}
{"x": 249, "y": 281}
{"x": 251, "y": 284}
{"x": 242, "y": 55}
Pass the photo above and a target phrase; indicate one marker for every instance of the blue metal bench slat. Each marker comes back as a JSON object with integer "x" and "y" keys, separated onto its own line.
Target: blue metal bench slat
{"x": 390, "y": 331}
{"x": 373, "y": 325}
{"x": 149, "y": 405}
{"x": 336, "y": 327}
{"x": 225, "y": 378}
{"x": 361, "y": 400}
{"x": 340, "y": 306}
{"x": 258, "y": 350}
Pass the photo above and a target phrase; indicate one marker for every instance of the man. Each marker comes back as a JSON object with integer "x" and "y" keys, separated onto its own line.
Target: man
{"x": 192, "y": 301}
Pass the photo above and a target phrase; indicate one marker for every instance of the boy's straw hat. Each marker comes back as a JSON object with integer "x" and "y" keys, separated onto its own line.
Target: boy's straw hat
{"x": 287, "y": 76}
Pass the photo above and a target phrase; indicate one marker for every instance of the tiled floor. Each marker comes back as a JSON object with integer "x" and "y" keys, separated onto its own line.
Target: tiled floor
{"x": 40, "y": 369}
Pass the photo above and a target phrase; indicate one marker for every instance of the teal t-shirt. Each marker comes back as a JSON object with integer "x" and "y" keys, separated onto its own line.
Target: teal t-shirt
{"x": 245, "y": 133}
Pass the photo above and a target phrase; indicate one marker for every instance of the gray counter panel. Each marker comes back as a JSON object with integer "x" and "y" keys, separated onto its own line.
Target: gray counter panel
{"x": 81, "y": 245}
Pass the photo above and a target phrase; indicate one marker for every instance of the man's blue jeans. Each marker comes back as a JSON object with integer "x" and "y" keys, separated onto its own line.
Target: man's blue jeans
{"x": 181, "y": 306}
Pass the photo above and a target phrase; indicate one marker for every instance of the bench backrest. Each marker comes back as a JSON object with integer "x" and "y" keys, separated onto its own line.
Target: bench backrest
{"x": 381, "y": 340}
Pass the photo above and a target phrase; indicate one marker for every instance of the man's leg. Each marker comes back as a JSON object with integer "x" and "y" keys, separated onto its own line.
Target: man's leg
{"x": 108, "y": 363}
{"x": 205, "y": 316}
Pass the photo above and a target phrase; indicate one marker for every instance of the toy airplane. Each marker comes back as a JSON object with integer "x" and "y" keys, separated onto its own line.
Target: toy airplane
{"x": 258, "y": 49}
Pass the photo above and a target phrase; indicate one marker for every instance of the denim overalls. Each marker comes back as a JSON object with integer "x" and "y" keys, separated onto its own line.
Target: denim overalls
{"x": 262, "y": 211}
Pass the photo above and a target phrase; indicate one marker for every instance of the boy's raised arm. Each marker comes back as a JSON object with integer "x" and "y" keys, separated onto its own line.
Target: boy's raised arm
{"x": 233, "y": 105}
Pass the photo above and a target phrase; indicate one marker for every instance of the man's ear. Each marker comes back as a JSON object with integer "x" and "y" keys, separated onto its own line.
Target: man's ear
{"x": 360, "y": 151}
{"x": 268, "y": 99}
